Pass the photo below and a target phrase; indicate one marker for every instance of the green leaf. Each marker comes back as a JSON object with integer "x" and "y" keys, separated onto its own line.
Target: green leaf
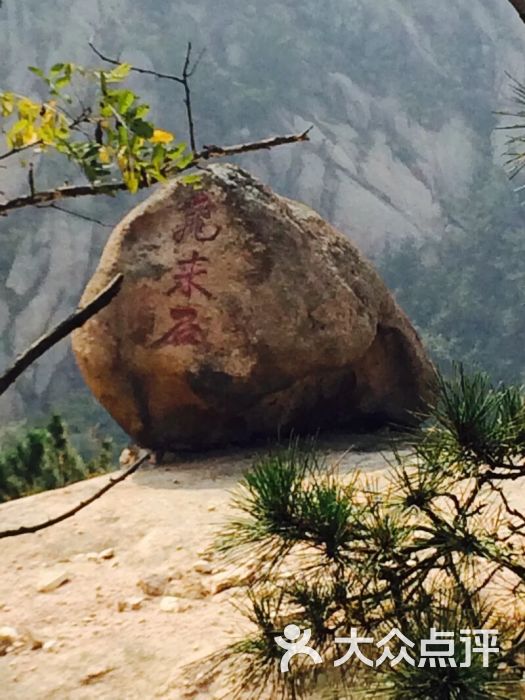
{"x": 194, "y": 179}
{"x": 57, "y": 68}
{"x": 141, "y": 128}
{"x": 37, "y": 71}
{"x": 177, "y": 152}
{"x": 119, "y": 73}
{"x": 141, "y": 111}
{"x": 184, "y": 162}
{"x": 103, "y": 83}
{"x": 62, "y": 82}
{"x": 122, "y": 136}
{"x": 158, "y": 156}
{"x": 125, "y": 100}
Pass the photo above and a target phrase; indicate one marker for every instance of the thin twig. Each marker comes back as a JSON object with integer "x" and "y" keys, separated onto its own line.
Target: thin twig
{"x": 31, "y": 179}
{"x": 186, "y": 74}
{"x": 28, "y": 529}
{"x": 134, "y": 69}
{"x": 65, "y": 192}
{"x": 510, "y": 511}
{"x": 72, "y": 191}
{"x": 220, "y": 151}
{"x": 76, "y": 214}
{"x": 63, "y": 329}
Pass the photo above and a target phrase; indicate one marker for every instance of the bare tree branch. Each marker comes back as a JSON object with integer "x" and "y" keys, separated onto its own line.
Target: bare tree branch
{"x": 76, "y": 214}
{"x": 222, "y": 151}
{"x": 65, "y": 192}
{"x": 72, "y": 191}
{"x": 519, "y": 6}
{"x": 31, "y": 179}
{"x": 187, "y": 72}
{"x": 134, "y": 69}
{"x": 28, "y": 529}
{"x": 13, "y": 151}
{"x": 63, "y": 329}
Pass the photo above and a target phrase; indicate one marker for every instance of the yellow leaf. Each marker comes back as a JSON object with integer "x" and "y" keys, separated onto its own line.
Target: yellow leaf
{"x": 29, "y": 136}
{"x": 131, "y": 180}
{"x": 27, "y": 108}
{"x": 160, "y": 136}
{"x": 7, "y": 101}
{"x": 104, "y": 154}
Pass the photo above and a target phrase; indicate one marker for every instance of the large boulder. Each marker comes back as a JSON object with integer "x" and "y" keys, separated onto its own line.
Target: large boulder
{"x": 244, "y": 314}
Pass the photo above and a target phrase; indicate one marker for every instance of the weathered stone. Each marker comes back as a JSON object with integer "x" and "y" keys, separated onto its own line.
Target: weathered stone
{"x": 243, "y": 314}
{"x": 230, "y": 579}
{"x": 8, "y": 636}
{"x": 95, "y": 674}
{"x": 133, "y": 603}
{"x": 52, "y": 580}
{"x": 172, "y": 604}
{"x": 108, "y": 553}
{"x": 203, "y": 567}
{"x": 154, "y": 584}
{"x": 191, "y": 586}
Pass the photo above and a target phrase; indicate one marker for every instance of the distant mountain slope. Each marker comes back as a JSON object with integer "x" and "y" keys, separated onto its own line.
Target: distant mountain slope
{"x": 401, "y": 94}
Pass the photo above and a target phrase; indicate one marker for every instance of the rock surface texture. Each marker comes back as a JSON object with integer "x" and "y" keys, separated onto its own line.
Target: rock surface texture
{"x": 243, "y": 314}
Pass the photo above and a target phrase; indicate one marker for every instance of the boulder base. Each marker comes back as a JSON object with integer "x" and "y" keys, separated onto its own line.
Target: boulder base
{"x": 242, "y": 315}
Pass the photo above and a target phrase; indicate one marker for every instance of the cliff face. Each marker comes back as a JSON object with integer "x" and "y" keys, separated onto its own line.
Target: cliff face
{"x": 401, "y": 95}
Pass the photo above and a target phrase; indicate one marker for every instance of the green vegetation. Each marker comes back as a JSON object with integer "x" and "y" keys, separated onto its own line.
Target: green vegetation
{"x": 465, "y": 291}
{"x": 439, "y": 546}
{"x": 110, "y": 137}
{"x": 44, "y": 458}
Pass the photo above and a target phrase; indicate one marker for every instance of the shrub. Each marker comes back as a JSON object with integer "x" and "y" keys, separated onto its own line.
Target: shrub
{"x": 44, "y": 458}
{"x": 438, "y": 546}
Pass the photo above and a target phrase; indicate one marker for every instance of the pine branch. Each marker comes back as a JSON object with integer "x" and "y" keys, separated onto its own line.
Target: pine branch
{"x": 73, "y": 191}
{"x": 28, "y": 529}
{"x": 63, "y": 329}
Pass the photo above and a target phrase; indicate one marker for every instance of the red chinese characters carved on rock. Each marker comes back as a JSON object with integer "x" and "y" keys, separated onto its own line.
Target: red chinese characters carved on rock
{"x": 197, "y": 213}
{"x": 185, "y": 331}
{"x": 185, "y": 280}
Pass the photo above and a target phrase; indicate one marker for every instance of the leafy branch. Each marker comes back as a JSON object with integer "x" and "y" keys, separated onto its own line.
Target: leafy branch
{"x": 114, "y": 144}
{"x": 111, "y": 188}
{"x": 184, "y": 80}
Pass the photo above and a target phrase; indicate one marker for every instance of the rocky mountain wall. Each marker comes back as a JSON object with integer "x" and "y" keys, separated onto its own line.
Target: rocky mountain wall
{"x": 401, "y": 95}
